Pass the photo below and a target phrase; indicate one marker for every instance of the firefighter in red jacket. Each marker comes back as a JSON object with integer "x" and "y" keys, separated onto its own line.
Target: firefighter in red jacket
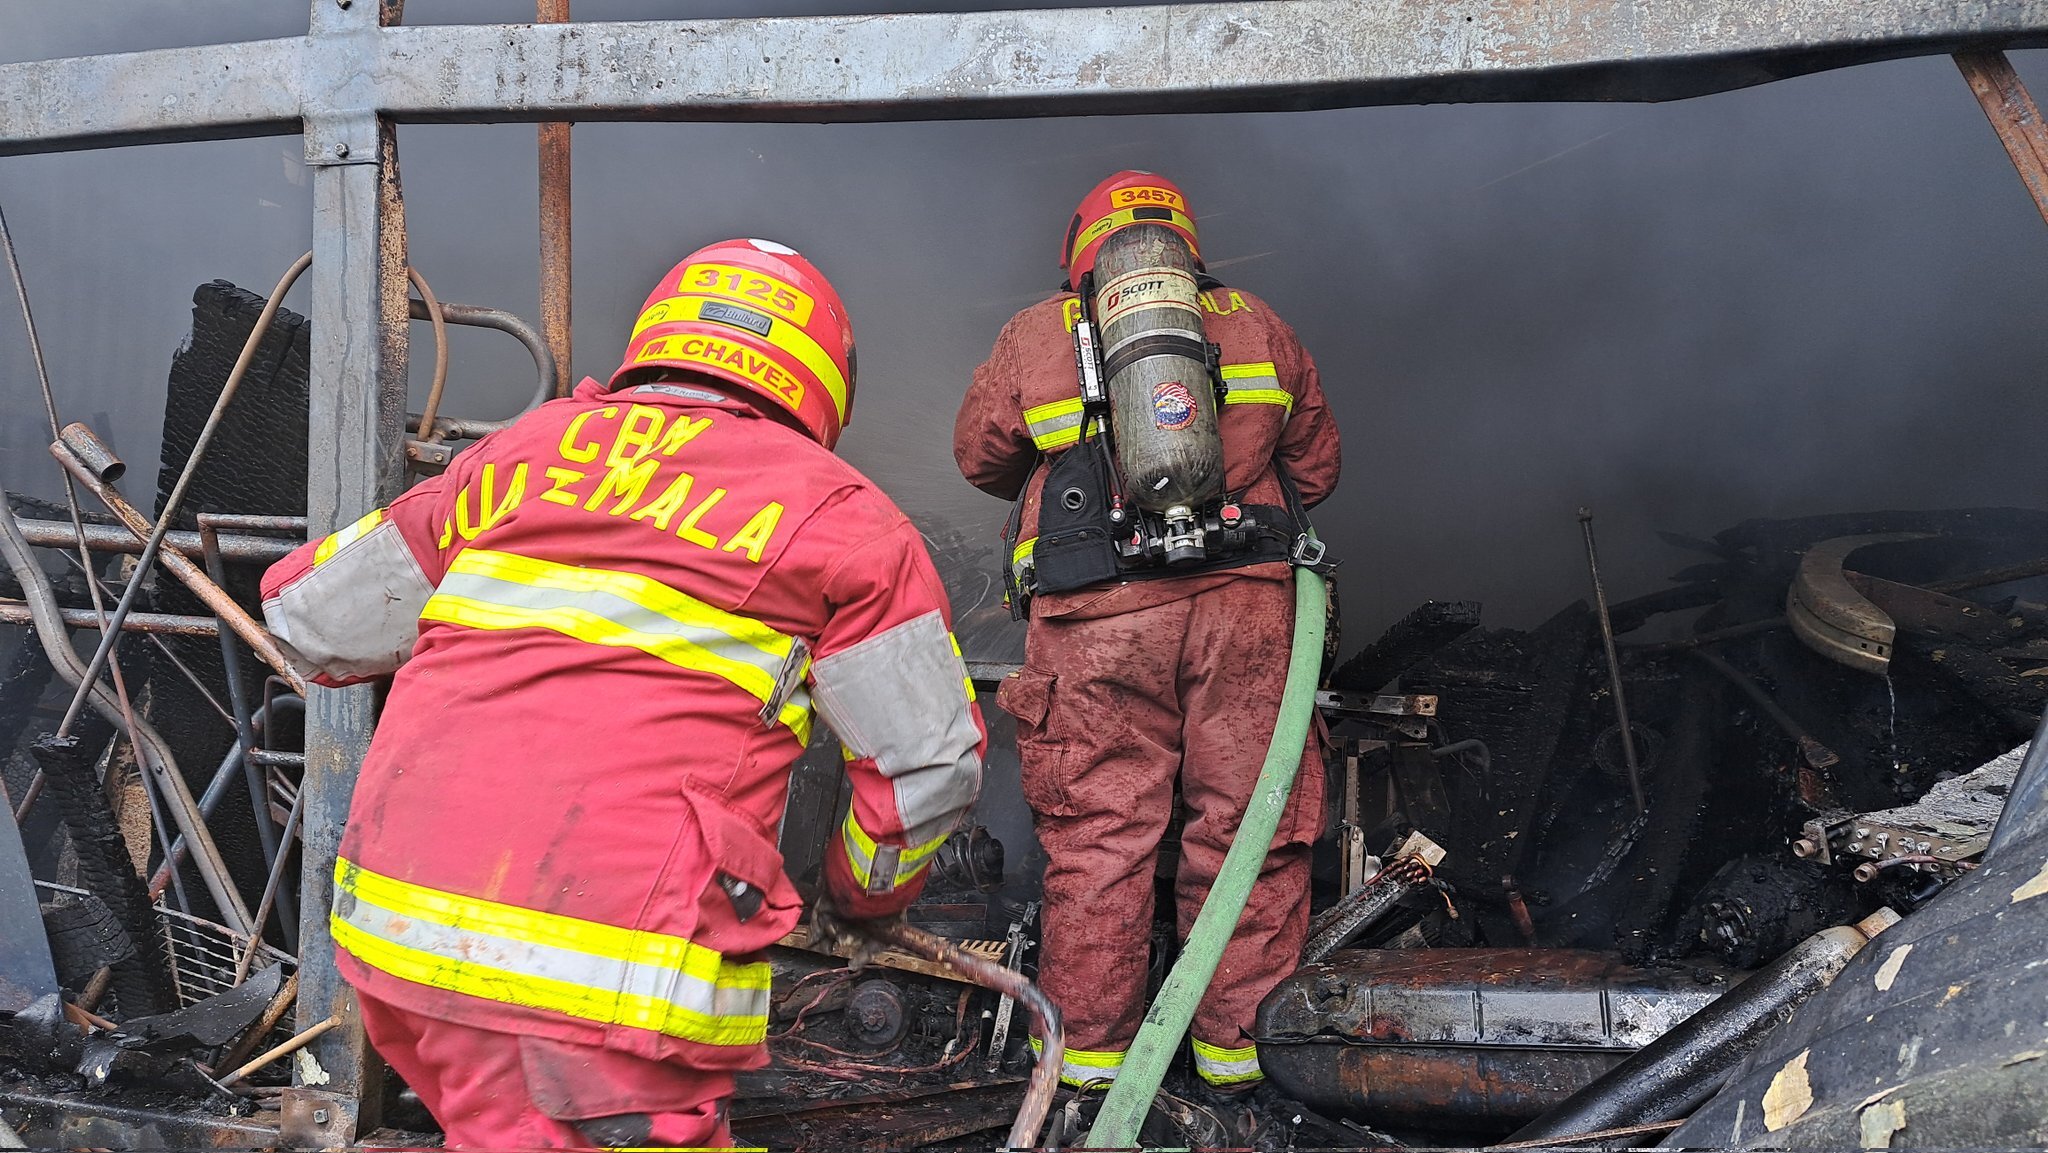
{"x": 611, "y": 625}
{"x": 1132, "y": 685}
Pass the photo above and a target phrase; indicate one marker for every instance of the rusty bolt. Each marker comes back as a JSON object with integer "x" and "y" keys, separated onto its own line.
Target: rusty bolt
{"x": 343, "y": 3}
{"x": 341, "y": 148}
{"x": 320, "y": 1115}
{"x": 1804, "y": 847}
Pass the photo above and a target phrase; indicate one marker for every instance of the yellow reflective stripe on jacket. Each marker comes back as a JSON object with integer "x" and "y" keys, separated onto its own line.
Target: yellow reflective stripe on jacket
{"x": 1082, "y": 1066}
{"x": 1055, "y": 424}
{"x": 342, "y": 538}
{"x": 498, "y": 590}
{"x": 516, "y": 956}
{"x": 861, "y": 852}
{"x": 1255, "y": 383}
{"x": 1220, "y": 1066}
{"x": 1020, "y": 559}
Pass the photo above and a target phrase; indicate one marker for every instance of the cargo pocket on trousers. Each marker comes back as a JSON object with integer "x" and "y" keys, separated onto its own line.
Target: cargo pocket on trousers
{"x": 575, "y": 1083}
{"x": 1027, "y": 695}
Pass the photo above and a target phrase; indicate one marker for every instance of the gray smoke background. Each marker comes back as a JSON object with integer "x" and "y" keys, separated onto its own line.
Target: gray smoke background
{"x": 1817, "y": 295}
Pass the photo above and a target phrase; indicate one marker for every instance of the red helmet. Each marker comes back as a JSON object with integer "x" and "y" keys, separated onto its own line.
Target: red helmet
{"x": 1123, "y": 200}
{"x": 756, "y": 314}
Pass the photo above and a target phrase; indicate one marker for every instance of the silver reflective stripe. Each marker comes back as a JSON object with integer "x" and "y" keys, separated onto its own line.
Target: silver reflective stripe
{"x": 900, "y": 699}
{"x": 635, "y": 618}
{"x": 1220, "y": 1066}
{"x": 1054, "y": 428}
{"x": 527, "y": 959}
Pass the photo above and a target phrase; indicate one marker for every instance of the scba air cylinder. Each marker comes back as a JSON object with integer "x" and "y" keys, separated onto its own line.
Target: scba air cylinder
{"x": 1155, "y": 362}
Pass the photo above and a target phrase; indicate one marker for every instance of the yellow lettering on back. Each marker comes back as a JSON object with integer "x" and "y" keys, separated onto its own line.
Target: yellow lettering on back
{"x": 489, "y": 513}
{"x": 447, "y": 533}
{"x": 689, "y": 531}
{"x": 683, "y": 431}
{"x": 628, "y": 480}
{"x": 559, "y": 480}
{"x": 637, "y": 434}
{"x": 583, "y": 453}
{"x": 1237, "y": 303}
{"x": 754, "y": 537}
{"x": 663, "y": 508}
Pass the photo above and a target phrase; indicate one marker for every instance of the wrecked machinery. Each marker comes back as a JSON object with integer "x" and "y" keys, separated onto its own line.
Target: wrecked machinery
{"x": 1576, "y": 874}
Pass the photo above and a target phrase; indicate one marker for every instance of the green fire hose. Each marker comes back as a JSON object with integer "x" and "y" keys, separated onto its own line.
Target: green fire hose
{"x": 1123, "y": 1110}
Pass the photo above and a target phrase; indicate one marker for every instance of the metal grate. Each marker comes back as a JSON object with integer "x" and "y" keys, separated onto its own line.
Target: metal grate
{"x": 203, "y": 955}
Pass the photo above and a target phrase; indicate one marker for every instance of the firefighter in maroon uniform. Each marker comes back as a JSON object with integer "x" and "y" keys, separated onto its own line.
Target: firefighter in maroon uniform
{"x": 1163, "y": 673}
{"x": 611, "y": 625}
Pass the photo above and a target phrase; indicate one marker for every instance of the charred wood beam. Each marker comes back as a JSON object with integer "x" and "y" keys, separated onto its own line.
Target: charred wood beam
{"x": 1276, "y": 55}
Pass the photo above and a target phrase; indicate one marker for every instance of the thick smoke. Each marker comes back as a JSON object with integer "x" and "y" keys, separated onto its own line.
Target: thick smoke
{"x": 1820, "y": 294}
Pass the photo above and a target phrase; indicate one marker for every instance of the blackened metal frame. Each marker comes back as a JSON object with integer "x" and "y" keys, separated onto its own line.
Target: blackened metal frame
{"x": 359, "y": 72}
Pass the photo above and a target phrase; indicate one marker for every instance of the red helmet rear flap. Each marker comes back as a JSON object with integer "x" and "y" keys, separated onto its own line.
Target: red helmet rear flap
{"x": 1125, "y": 199}
{"x": 758, "y": 315}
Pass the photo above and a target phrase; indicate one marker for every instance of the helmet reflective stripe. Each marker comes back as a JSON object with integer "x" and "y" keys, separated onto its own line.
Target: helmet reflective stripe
{"x": 757, "y": 315}
{"x": 1126, "y": 199}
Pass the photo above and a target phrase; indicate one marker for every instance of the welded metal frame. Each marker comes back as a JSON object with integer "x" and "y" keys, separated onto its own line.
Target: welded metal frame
{"x": 358, "y": 73}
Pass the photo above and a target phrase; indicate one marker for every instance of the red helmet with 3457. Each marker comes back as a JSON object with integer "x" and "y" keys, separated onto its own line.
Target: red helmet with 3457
{"x": 755, "y": 314}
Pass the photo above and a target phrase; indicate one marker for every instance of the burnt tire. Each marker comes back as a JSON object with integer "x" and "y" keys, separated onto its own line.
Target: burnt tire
{"x": 85, "y": 937}
{"x": 141, "y": 982}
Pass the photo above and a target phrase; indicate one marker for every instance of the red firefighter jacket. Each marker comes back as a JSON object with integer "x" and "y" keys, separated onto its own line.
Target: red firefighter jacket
{"x": 1025, "y": 402}
{"x": 610, "y": 626}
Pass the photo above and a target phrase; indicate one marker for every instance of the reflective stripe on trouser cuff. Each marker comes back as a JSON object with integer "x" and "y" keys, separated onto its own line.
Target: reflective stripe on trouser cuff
{"x": 1083, "y": 1066}
{"x": 498, "y": 590}
{"x": 1055, "y": 424}
{"x": 899, "y": 865}
{"x": 1220, "y": 1066}
{"x": 516, "y": 956}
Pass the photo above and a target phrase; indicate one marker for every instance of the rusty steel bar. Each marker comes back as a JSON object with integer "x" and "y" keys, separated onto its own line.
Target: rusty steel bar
{"x": 1628, "y": 740}
{"x": 1045, "y": 1076}
{"x": 168, "y": 624}
{"x": 215, "y": 597}
{"x": 478, "y": 316}
{"x": 159, "y": 764}
{"x": 440, "y": 381}
{"x": 251, "y": 522}
{"x": 239, "y": 548}
{"x": 556, "y": 232}
{"x": 1816, "y": 754}
{"x": 2013, "y": 115}
{"x": 105, "y": 466}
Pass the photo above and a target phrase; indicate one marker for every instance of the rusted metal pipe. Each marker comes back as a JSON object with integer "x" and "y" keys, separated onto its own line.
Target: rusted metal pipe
{"x": 254, "y": 1035}
{"x": 159, "y": 765}
{"x": 241, "y": 549}
{"x": 101, "y": 468}
{"x": 170, "y": 624}
{"x": 252, "y": 522}
{"x": 2012, "y": 113}
{"x": 1669, "y": 1077}
{"x": 1045, "y": 1076}
{"x": 555, "y": 224}
{"x": 478, "y": 316}
{"x": 1628, "y": 739}
{"x": 440, "y": 382}
{"x": 215, "y": 597}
